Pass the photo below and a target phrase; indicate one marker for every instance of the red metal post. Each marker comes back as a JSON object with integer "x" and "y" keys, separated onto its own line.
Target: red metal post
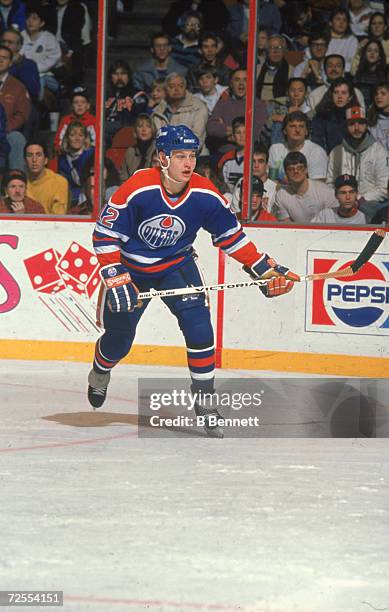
{"x": 100, "y": 104}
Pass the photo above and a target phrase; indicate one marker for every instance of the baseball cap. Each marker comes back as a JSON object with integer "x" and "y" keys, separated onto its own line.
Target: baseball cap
{"x": 346, "y": 179}
{"x": 13, "y": 175}
{"x": 356, "y": 113}
{"x": 257, "y": 186}
{"x": 80, "y": 91}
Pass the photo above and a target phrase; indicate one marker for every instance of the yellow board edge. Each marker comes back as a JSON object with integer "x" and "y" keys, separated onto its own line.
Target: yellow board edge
{"x": 277, "y": 361}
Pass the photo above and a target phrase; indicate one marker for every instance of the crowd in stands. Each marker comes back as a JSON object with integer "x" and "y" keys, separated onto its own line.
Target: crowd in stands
{"x": 321, "y": 112}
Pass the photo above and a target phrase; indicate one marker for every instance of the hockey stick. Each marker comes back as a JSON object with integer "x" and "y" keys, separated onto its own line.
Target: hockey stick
{"x": 369, "y": 250}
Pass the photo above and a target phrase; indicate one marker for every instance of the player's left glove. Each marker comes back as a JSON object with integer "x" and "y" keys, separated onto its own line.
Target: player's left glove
{"x": 122, "y": 292}
{"x": 280, "y": 279}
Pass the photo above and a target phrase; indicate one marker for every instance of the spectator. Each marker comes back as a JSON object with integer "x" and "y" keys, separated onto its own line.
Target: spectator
{"x": 378, "y": 30}
{"x": 312, "y": 67}
{"x": 257, "y": 210}
{"x": 378, "y": 115}
{"x": 159, "y": 65}
{"x": 260, "y": 170}
{"x": 15, "y": 200}
{"x": 185, "y": 46}
{"x": 334, "y": 70}
{"x": 204, "y": 168}
{"x": 272, "y": 82}
{"x": 329, "y": 123}
{"x": 23, "y": 69}
{"x": 209, "y": 88}
{"x": 72, "y": 31}
{"x": 124, "y": 103}
{"x": 181, "y": 107}
{"x": 12, "y": 15}
{"x": 76, "y": 151}
{"x": 214, "y": 12}
{"x": 111, "y": 183}
{"x": 17, "y": 106}
{"x": 372, "y": 69}
{"x": 42, "y": 47}
{"x": 139, "y": 156}
{"x": 295, "y": 128}
{"x": 232, "y": 104}
{"x": 44, "y": 185}
{"x": 347, "y": 213}
{"x": 208, "y": 55}
{"x": 302, "y": 198}
{"x": 157, "y": 94}
{"x": 360, "y": 13}
{"x": 342, "y": 42}
{"x": 230, "y": 165}
{"x": 359, "y": 154}
{"x": 296, "y": 101}
{"x": 268, "y": 17}
{"x": 300, "y": 19}
{"x": 262, "y": 45}
{"x": 80, "y": 112}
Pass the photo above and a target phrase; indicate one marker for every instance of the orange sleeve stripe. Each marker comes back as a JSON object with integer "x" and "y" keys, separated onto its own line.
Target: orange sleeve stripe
{"x": 247, "y": 255}
{"x": 229, "y": 240}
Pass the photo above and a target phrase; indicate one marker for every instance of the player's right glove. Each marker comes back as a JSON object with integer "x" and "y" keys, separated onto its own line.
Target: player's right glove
{"x": 280, "y": 279}
{"x": 122, "y": 293}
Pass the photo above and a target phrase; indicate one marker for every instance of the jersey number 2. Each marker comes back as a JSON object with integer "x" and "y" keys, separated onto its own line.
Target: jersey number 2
{"x": 110, "y": 215}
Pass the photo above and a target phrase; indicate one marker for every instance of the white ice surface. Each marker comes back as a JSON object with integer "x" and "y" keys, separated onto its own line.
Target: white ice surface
{"x": 123, "y": 523}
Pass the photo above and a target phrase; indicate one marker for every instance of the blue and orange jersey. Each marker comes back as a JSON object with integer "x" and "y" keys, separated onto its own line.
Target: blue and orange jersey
{"x": 151, "y": 233}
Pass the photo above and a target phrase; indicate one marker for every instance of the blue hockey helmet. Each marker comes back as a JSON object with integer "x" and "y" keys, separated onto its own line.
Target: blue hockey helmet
{"x": 176, "y": 138}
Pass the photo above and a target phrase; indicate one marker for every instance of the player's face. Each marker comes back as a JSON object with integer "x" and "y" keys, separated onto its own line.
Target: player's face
{"x": 296, "y": 131}
{"x": 76, "y": 138}
{"x": 341, "y": 96}
{"x": 334, "y": 68}
{"x": 35, "y": 159}
{"x": 297, "y": 93}
{"x": 207, "y": 83}
{"x": 347, "y": 197}
{"x": 16, "y": 190}
{"x": 182, "y": 165}
{"x": 381, "y": 98}
{"x": 259, "y": 165}
{"x": 209, "y": 50}
{"x": 357, "y": 129}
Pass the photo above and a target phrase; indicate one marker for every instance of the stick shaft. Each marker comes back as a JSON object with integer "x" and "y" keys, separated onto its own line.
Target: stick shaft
{"x": 146, "y": 295}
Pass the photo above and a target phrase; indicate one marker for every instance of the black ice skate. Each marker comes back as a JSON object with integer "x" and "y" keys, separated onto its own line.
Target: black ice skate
{"x": 97, "y": 389}
{"x": 213, "y": 431}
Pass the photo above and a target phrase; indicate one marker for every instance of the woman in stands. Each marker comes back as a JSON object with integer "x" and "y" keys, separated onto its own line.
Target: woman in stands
{"x": 329, "y": 123}
{"x": 76, "y": 151}
{"x": 372, "y": 69}
{"x": 378, "y": 114}
{"x": 139, "y": 155}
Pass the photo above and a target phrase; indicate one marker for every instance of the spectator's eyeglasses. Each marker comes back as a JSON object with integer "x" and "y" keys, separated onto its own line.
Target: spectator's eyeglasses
{"x": 296, "y": 168}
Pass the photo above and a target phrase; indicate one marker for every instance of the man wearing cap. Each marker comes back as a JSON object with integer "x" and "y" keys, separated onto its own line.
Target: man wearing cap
{"x": 346, "y": 192}
{"x": 334, "y": 66}
{"x": 80, "y": 112}
{"x": 15, "y": 200}
{"x": 302, "y": 198}
{"x": 257, "y": 211}
{"x": 366, "y": 159}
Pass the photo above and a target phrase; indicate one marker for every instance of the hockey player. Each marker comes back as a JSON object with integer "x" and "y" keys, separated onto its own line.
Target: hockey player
{"x": 143, "y": 239}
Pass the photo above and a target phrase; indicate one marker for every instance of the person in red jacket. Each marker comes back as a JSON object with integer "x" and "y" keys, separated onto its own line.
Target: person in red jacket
{"x": 257, "y": 210}
{"x": 14, "y": 199}
{"x": 80, "y": 112}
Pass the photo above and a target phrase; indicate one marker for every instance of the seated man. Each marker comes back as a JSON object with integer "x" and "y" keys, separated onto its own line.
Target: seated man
{"x": 44, "y": 185}
{"x": 365, "y": 158}
{"x": 302, "y": 198}
{"x": 334, "y": 66}
{"x": 295, "y": 128}
{"x": 346, "y": 192}
{"x": 257, "y": 211}
{"x": 15, "y": 200}
{"x": 208, "y": 90}
{"x": 312, "y": 67}
{"x": 22, "y": 68}
{"x": 261, "y": 171}
{"x": 230, "y": 165}
{"x": 209, "y": 56}
{"x": 272, "y": 82}
{"x": 185, "y": 46}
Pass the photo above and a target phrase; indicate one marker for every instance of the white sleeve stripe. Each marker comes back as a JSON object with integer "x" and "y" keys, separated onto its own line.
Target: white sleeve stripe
{"x": 103, "y": 230}
{"x": 106, "y": 249}
{"x": 237, "y": 246}
{"x": 229, "y": 232}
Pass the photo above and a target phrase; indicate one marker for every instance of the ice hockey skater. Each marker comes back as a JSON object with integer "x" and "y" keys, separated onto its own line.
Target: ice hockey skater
{"x": 144, "y": 239}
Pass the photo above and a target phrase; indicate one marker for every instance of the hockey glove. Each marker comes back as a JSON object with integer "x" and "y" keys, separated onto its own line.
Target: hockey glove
{"x": 281, "y": 279}
{"x": 122, "y": 293}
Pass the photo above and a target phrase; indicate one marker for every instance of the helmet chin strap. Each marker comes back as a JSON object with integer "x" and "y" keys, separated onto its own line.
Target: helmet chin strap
{"x": 165, "y": 172}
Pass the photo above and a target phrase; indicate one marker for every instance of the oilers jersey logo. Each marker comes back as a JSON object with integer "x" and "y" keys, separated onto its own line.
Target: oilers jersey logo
{"x": 358, "y": 305}
{"x": 161, "y": 231}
